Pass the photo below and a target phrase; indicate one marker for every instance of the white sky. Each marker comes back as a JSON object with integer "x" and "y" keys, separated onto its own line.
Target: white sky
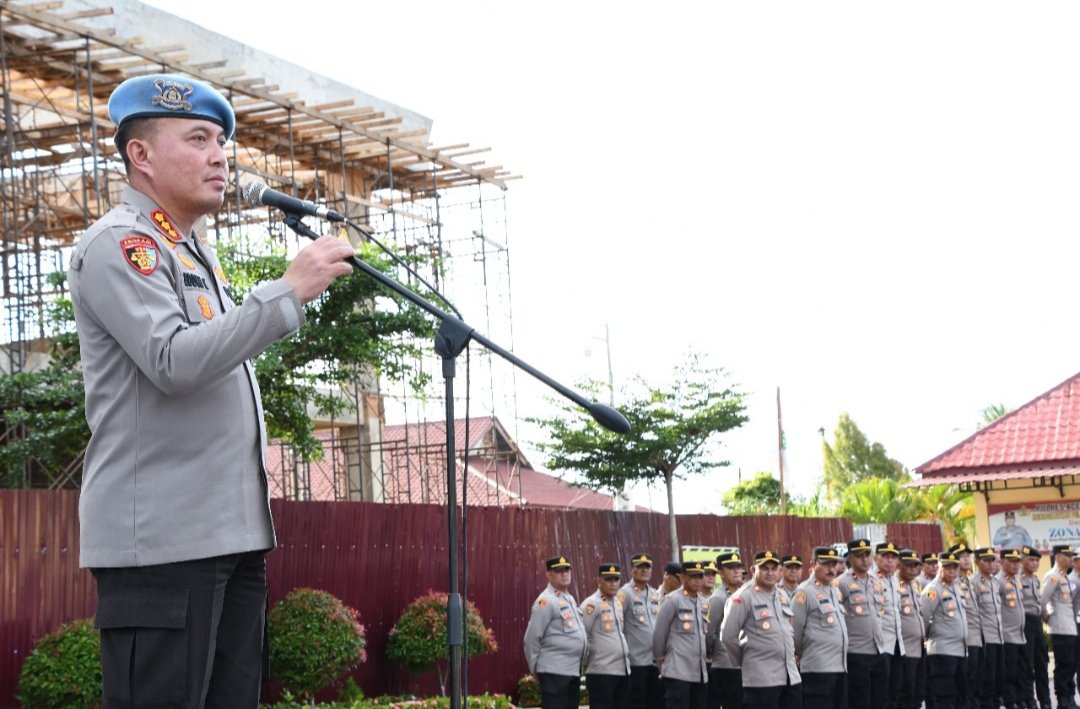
{"x": 870, "y": 205}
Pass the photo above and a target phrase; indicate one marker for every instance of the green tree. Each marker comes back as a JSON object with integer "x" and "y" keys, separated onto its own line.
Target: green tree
{"x": 759, "y": 495}
{"x": 671, "y": 429}
{"x": 881, "y": 501}
{"x": 992, "y": 413}
{"x": 353, "y": 332}
{"x": 853, "y": 458}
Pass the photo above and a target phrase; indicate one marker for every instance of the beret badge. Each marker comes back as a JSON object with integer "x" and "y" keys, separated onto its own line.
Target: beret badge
{"x": 172, "y": 95}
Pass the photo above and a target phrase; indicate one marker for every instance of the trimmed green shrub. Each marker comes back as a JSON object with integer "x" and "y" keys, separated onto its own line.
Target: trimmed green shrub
{"x": 64, "y": 670}
{"x": 528, "y": 694}
{"x": 314, "y": 640}
{"x": 418, "y": 639}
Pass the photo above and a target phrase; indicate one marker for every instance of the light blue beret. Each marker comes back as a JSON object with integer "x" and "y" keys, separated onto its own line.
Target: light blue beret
{"x": 170, "y": 96}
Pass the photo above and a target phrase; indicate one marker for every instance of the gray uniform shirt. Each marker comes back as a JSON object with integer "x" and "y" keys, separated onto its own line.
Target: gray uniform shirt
{"x": 175, "y": 467}
{"x": 912, "y": 626}
{"x": 1012, "y": 609}
{"x": 863, "y": 601}
{"x": 819, "y": 629}
{"x": 890, "y": 612}
{"x": 606, "y": 653}
{"x": 713, "y": 643}
{"x": 971, "y": 610}
{"x": 555, "y": 637}
{"x": 1057, "y": 600}
{"x": 639, "y": 609}
{"x": 988, "y": 591}
{"x": 1074, "y": 579}
{"x": 943, "y": 613}
{"x": 679, "y": 637}
{"x": 1030, "y": 588}
{"x": 759, "y": 637}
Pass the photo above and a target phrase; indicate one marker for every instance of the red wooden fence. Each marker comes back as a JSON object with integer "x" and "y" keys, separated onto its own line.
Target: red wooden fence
{"x": 377, "y": 558}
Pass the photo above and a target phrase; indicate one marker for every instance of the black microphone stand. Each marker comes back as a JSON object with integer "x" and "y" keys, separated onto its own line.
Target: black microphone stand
{"x": 451, "y": 339}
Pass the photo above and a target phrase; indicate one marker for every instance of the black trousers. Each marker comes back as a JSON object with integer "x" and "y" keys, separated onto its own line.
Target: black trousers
{"x": 189, "y": 634}
{"x": 559, "y": 691}
{"x": 1014, "y": 686}
{"x": 773, "y": 697}
{"x": 903, "y": 678}
{"x": 974, "y": 676}
{"x": 825, "y": 690}
{"x": 948, "y": 680}
{"x": 680, "y": 694}
{"x": 992, "y": 676}
{"x": 1037, "y": 661}
{"x": 1064, "y": 667}
{"x": 608, "y": 691}
{"x": 868, "y": 681}
{"x": 725, "y": 689}
{"x": 646, "y": 689}
{"x": 923, "y": 695}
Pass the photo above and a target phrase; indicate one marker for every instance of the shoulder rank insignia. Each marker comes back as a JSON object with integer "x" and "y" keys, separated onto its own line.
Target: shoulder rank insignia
{"x": 141, "y": 253}
{"x": 162, "y": 221}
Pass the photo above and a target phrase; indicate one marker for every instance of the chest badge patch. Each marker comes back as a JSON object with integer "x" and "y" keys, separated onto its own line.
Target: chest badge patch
{"x": 204, "y": 306}
{"x": 161, "y": 219}
{"x": 221, "y": 275}
{"x": 141, "y": 253}
{"x": 186, "y": 261}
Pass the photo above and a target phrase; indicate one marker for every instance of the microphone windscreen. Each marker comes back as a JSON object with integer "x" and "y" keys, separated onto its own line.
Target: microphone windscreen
{"x": 253, "y": 192}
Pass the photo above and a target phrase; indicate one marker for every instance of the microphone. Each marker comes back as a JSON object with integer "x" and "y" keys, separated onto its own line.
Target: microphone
{"x": 257, "y": 194}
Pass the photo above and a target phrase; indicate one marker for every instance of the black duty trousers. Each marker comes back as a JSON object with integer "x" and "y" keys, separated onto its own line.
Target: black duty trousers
{"x": 646, "y": 689}
{"x": 559, "y": 691}
{"x": 188, "y": 634}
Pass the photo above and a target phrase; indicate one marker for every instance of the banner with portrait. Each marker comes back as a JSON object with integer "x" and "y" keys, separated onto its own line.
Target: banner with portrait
{"x": 1040, "y": 525}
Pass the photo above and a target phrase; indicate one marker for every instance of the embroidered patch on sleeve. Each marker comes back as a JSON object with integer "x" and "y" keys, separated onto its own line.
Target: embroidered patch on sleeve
{"x": 141, "y": 253}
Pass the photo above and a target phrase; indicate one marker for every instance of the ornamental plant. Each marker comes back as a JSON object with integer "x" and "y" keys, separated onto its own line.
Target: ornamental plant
{"x": 418, "y": 638}
{"x": 64, "y": 670}
{"x": 314, "y": 640}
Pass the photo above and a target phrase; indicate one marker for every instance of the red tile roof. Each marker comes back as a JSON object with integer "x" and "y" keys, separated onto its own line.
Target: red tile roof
{"x": 1045, "y": 432}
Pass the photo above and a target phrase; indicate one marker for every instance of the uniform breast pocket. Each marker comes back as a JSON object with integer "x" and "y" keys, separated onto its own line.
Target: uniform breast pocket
{"x": 568, "y": 623}
{"x": 765, "y": 618}
{"x": 200, "y": 305}
{"x": 686, "y": 621}
{"x": 858, "y": 604}
{"x": 828, "y": 618}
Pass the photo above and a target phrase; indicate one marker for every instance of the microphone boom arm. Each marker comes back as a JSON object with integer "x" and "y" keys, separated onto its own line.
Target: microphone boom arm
{"x": 454, "y": 335}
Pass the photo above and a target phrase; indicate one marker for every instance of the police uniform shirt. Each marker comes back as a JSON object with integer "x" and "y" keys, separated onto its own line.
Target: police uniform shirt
{"x": 679, "y": 636}
{"x": 890, "y": 611}
{"x": 1074, "y": 580}
{"x": 714, "y": 644}
{"x": 639, "y": 609}
{"x": 555, "y": 638}
{"x": 606, "y": 653}
{"x": 1012, "y": 609}
{"x": 912, "y": 627}
{"x": 1057, "y": 600}
{"x": 820, "y": 632}
{"x": 971, "y": 610}
{"x": 175, "y": 467}
{"x": 1030, "y": 587}
{"x": 988, "y": 591}
{"x": 943, "y": 613}
{"x": 759, "y": 637}
{"x": 863, "y": 604}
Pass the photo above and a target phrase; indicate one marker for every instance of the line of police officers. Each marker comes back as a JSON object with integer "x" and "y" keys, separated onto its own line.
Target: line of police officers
{"x": 892, "y": 630}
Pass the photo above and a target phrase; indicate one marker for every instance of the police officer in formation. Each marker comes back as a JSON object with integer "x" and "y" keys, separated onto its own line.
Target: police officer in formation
{"x": 868, "y": 655}
{"x": 555, "y": 639}
{"x": 1057, "y": 602}
{"x": 758, "y": 635}
{"x": 1035, "y": 660}
{"x": 754, "y": 643}
{"x": 640, "y": 603}
{"x": 1012, "y": 628}
{"x": 679, "y": 642}
{"x": 820, "y": 633}
{"x": 725, "y": 677}
{"x": 905, "y": 692}
{"x": 607, "y": 657}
